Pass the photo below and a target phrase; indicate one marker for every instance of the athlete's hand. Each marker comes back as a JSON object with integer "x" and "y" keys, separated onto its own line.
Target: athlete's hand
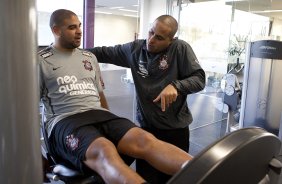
{"x": 167, "y": 96}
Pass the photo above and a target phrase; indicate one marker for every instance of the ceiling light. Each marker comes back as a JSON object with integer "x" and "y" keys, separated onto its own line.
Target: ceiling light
{"x": 227, "y": 1}
{"x": 266, "y": 11}
{"x": 128, "y": 15}
{"x": 116, "y": 7}
{"x": 128, "y": 10}
{"x": 103, "y": 12}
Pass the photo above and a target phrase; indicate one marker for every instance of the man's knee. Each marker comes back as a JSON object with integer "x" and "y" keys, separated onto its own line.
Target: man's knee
{"x": 99, "y": 148}
{"x": 138, "y": 141}
{"x": 146, "y": 140}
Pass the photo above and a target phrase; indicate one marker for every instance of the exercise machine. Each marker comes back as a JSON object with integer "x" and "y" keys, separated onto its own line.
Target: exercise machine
{"x": 248, "y": 155}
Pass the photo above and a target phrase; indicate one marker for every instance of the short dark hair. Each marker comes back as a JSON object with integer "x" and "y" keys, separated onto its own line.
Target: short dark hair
{"x": 171, "y": 22}
{"x": 58, "y": 16}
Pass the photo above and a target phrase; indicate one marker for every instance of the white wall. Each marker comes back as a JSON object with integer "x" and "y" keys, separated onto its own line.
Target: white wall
{"x": 113, "y": 29}
{"x": 150, "y": 10}
{"x": 110, "y": 30}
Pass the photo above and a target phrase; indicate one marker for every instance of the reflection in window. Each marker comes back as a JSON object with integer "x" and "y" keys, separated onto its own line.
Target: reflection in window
{"x": 207, "y": 30}
{"x": 211, "y": 27}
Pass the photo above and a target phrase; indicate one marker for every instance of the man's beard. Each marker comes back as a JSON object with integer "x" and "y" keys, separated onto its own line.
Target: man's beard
{"x": 69, "y": 45}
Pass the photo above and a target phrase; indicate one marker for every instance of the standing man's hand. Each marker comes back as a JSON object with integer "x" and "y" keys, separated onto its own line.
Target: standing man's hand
{"x": 167, "y": 96}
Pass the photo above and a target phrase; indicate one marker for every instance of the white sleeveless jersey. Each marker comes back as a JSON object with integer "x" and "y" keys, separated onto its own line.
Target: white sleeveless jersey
{"x": 69, "y": 83}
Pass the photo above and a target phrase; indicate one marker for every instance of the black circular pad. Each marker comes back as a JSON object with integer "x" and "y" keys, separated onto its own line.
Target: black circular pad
{"x": 243, "y": 156}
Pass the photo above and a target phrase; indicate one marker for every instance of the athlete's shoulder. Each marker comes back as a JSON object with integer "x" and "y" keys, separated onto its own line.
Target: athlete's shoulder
{"x": 45, "y": 53}
{"x": 180, "y": 45}
{"x": 177, "y": 41}
{"x": 139, "y": 42}
{"x": 86, "y": 53}
{"x": 136, "y": 45}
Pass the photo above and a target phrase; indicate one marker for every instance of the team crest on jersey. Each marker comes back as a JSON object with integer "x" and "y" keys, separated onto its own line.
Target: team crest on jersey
{"x": 163, "y": 62}
{"x": 87, "y": 65}
{"x": 72, "y": 142}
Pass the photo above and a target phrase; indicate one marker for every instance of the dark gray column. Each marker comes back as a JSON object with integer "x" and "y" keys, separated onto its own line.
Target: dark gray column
{"x": 20, "y": 160}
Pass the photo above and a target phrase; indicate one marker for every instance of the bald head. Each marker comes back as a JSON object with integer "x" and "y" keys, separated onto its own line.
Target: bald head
{"x": 57, "y": 18}
{"x": 170, "y": 22}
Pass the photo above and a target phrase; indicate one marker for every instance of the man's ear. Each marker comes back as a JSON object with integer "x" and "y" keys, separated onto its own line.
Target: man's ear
{"x": 56, "y": 30}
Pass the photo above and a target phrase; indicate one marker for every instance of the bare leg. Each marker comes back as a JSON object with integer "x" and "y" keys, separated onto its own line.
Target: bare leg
{"x": 161, "y": 155}
{"x": 103, "y": 157}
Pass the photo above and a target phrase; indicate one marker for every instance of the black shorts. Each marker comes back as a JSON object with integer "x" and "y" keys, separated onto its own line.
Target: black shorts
{"x": 71, "y": 136}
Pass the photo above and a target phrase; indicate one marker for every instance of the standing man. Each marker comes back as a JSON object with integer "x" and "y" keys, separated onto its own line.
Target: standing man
{"x": 81, "y": 131}
{"x": 165, "y": 70}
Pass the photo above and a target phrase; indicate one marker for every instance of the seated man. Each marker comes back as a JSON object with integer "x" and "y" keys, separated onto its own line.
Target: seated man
{"x": 81, "y": 130}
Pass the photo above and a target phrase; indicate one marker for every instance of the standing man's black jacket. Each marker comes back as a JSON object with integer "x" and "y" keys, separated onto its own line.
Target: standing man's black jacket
{"x": 177, "y": 65}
